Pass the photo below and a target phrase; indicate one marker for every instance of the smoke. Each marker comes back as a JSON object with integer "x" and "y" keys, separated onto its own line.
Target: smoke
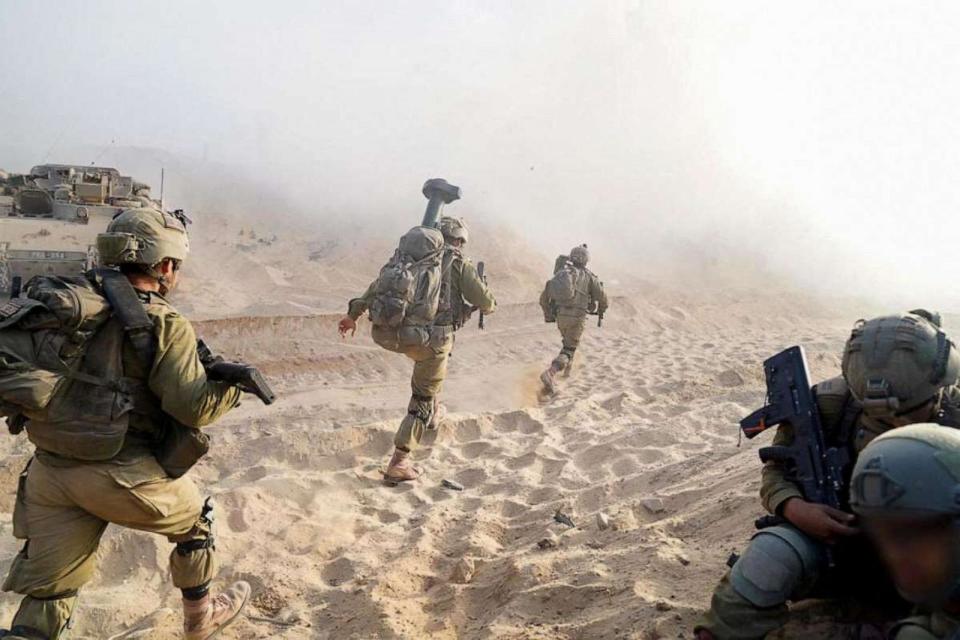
{"x": 809, "y": 143}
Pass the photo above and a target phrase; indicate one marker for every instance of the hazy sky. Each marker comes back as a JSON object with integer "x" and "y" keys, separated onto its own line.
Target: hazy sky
{"x": 816, "y": 137}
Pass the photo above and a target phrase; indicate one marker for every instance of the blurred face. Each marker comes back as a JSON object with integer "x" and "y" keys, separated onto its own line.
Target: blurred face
{"x": 922, "y": 554}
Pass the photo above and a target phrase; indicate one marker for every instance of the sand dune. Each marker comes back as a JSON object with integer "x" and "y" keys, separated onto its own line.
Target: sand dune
{"x": 643, "y": 431}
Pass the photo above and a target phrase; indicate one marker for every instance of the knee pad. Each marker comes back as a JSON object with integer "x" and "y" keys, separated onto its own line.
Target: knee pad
{"x": 203, "y": 530}
{"x": 779, "y": 563}
{"x": 193, "y": 560}
{"x": 421, "y": 407}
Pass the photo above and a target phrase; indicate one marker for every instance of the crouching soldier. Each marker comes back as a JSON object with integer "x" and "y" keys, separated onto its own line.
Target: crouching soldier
{"x": 905, "y": 491}
{"x": 113, "y": 398}
{"x": 897, "y": 370}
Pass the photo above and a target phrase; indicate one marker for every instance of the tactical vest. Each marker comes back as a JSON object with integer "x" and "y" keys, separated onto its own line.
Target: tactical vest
{"x": 453, "y": 310}
{"x": 61, "y": 366}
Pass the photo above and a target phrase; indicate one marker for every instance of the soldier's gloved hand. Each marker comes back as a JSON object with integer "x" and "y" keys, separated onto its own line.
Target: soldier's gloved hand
{"x": 818, "y": 520}
{"x": 347, "y": 324}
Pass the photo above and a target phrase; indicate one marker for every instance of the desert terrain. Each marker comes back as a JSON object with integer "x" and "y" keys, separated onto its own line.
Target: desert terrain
{"x": 643, "y": 431}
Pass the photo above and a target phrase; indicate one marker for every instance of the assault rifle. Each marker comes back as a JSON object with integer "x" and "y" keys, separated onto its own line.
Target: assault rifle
{"x": 481, "y": 269}
{"x": 247, "y": 378}
{"x": 817, "y": 469}
{"x": 600, "y": 314}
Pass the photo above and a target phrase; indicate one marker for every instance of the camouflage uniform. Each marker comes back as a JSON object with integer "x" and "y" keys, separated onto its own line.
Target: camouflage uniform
{"x": 784, "y": 564}
{"x": 571, "y": 319}
{"x": 467, "y": 290}
{"x": 65, "y": 499}
{"x": 743, "y": 616}
{"x": 63, "y": 506}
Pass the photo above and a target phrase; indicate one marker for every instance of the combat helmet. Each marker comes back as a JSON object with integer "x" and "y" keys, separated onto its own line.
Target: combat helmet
{"x": 897, "y": 364}
{"x": 908, "y": 476}
{"x": 144, "y": 237}
{"x": 910, "y": 471}
{"x": 454, "y": 229}
{"x": 580, "y": 255}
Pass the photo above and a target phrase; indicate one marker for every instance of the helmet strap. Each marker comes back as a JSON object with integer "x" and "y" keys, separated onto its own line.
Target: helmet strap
{"x": 161, "y": 279}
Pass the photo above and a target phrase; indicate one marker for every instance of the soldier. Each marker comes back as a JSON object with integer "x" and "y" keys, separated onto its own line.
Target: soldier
{"x": 897, "y": 370}
{"x": 905, "y": 490}
{"x": 66, "y": 500}
{"x": 573, "y": 293}
{"x": 462, "y": 292}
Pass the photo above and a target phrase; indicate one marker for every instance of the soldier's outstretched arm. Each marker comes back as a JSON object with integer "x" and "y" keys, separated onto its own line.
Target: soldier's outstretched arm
{"x": 475, "y": 290}
{"x": 179, "y": 380}
{"x": 358, "y": 306}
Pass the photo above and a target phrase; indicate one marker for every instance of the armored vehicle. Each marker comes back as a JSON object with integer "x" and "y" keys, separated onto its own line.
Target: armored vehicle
{"x": 50, "y": 218}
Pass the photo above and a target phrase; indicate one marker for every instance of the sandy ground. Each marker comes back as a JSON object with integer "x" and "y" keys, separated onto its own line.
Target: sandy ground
{"x": 643, "y": 431}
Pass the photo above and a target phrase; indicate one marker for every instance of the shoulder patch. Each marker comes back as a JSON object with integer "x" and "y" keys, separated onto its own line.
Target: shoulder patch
{"x": 836, "y": 387}
{"x": 832, "y": 397}
{"x": 12, "y": 310}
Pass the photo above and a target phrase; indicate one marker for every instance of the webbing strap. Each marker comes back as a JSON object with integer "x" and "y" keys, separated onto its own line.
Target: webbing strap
{"x": 128, "y": 308}
{"x": 446, "y": 288}
{"x": 89, "y": 379}
{"x": 25, "y": 632}
{"x": 188, "y": 547}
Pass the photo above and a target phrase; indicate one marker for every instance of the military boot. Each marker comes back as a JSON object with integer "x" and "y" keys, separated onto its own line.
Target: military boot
{"x": 205, "y": 618}
{"x": 400, "y": 469}
{"x": 549, "y": 379}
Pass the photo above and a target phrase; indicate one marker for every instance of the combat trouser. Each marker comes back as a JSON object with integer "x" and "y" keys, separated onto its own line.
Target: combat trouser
{"x": 571, "y": 330}
{"x": 62, "y": 511}
{"x": 429, "y": 372}
{"x": 781, "y": 565}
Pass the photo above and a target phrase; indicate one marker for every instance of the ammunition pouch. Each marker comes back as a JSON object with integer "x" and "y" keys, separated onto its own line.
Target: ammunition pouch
{"x": 780, "y": 564}
{"x": 180, "y": 447}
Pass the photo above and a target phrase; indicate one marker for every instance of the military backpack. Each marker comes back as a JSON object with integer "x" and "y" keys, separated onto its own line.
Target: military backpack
{"x": 61, "y": 370}
{"x": 407, "y": 293}
{"x": 569, "y": 287}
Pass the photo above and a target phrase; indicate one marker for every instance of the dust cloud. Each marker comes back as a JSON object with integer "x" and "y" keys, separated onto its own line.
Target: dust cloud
{"x": 693, "y": 144}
